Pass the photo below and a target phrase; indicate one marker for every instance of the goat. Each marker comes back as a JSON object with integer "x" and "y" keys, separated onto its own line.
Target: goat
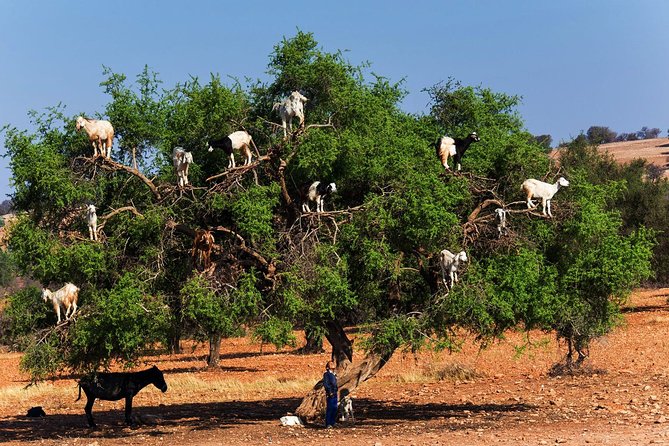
{"x": 346, "y": 408}
{"x": 454, "y": 147}
{"x": 36, "y": 412}
{"x": 100, "y": 134}
{"x": 292, "y": 106}
{"x": 66, "y": 297}
{"x": 114, "y": 386}
{"x": 538, "y": 189}
{"x": 315, "y": 192}
{"x": 450, "y": 263}
{"x": 239, "y": 140}
{"x": 92, "y": 220}
{"x": 500, "y": 216}
{"x": 202, "y": 246}
{"x": 182, "y": 161}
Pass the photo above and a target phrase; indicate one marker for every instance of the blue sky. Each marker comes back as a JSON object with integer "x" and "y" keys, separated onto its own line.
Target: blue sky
{"x": 576, "y": 63}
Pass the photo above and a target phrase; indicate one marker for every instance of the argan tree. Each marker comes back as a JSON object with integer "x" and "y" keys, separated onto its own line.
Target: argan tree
{"x": 369, "y": 260}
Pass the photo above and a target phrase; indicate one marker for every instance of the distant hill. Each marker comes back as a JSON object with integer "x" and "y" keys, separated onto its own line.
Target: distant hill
{"x": 655, "y": 151}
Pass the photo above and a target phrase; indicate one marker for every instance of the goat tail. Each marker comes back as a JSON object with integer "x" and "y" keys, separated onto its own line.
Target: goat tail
{"x": 276, "y": 106}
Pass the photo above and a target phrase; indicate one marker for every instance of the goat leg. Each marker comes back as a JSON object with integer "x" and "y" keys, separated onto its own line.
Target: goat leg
{"x": 89, "y": 411}
{"x": 128, "y": 410}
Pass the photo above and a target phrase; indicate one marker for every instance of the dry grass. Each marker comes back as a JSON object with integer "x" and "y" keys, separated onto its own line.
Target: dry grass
{"x": 439, "y": 372}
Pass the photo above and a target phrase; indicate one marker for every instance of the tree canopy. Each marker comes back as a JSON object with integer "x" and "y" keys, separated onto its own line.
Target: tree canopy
{"x": 370, "y": 260}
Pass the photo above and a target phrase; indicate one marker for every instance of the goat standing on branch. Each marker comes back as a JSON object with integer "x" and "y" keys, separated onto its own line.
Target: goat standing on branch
{"x": 240, "y": 141}
{"x": 92, "y": 220}
{"x": 450, "y": 263}
{"x": 66, "y": 297}
{"x": 454, "y": 147}
{"x": 100, "y": 134}
{"x": 315, "y": 192}
{"x": 292, "y": 106}
{"x": 500, "y": 216}
{"x": 182, "y": 161}
{"x": 202, "y": 246}
{"x": 538, "y": 189}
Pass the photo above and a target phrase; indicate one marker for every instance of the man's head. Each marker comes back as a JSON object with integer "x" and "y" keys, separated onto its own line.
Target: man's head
{"x": 330, "y": 365}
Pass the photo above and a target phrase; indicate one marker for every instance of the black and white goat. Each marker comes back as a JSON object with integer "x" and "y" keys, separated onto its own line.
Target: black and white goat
{"x": 450, "y": 263}
{"x": 240, "y": 141}
{"x": 500, "y": 217}
{"x": 454, "y": 147}
{"x": 315, "y": 192}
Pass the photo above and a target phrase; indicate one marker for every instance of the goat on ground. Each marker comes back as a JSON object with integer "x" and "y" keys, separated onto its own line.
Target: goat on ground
{"x": 454, "y": 147}
{"x": 346, "y": 409}
{"x": 114, "y": 386}
{"x": 450, "y": 263}
{"x": 100, "y": 134}
{"x": 92, "y": 220}
{"x": 65, "y": 297}
{"x": 292, "y": 106}
{"x": 315, "y": 192}
{"x": 240, "y": 141}
{"x": 202, "y": 246}
{"x": 182, "y": 161}
{"x": 538, "y": 189}
{"x": 500, "y": 216}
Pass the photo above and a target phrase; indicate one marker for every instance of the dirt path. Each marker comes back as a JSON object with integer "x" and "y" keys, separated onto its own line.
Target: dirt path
{"x": 487, "y": 398}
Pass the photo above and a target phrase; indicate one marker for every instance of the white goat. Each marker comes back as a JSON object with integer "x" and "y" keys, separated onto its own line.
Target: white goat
{"x": 239, "y": 140}
{"x": 538, "y": 189}
{"x": 500, "y": 216}
{"x": 315, "y": 192}
{"x": 100, "y": 134}
{"x": 65, "y": 297}
{"x": 450, "y": 263}
{"x": 182, "y": 161}
{"x": 292, "y": 106}
{"x": 92, "y": 220}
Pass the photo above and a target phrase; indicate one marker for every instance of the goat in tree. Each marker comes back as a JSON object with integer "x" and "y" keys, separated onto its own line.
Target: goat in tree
{"x": 538, "y": 189}
{"x": 450, "y": 263}
{"x": 315, "y": 192}
{"x": 292, "y": 106}
{"x": 236, "y": 141}
{"x": 100, "y": 134}
{"x": 92, "y": 220}
{"x": 65, "y": 297}
{"x": 454, "y": 147}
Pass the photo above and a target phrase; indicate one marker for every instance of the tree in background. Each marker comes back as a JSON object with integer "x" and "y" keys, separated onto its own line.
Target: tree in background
{"x": 601, "y": 135}
{"x": 545, "y": 141}
{"x": 370, "y": 260}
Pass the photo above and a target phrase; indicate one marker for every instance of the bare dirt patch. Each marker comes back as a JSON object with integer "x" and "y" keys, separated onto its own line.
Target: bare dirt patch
{"x": 473, "y": 397}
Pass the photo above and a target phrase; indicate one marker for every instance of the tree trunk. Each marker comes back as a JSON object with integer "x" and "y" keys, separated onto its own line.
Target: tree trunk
{"x": 214, "y": 350}
{"x": 349, "y": 377}
{"x": 314, "y": 342}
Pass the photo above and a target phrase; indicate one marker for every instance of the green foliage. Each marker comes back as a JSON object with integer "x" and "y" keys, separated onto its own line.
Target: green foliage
{"x": 117, "y": 325}
{"x": 7, "y": 269}
{"x": 23, "y": 316}
{"x": 275, "y": 331}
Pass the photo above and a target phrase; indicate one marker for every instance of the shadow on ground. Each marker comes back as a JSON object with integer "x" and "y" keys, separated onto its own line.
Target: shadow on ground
{"x": 226, "y": 415}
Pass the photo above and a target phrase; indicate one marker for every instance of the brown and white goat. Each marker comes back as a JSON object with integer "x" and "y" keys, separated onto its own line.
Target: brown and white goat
{"x": 100, "y": 134}
{"x": 66, "y": 297}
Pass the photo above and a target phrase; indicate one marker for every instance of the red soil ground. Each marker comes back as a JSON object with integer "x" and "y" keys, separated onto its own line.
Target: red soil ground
{"x": 508, "y": 400}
